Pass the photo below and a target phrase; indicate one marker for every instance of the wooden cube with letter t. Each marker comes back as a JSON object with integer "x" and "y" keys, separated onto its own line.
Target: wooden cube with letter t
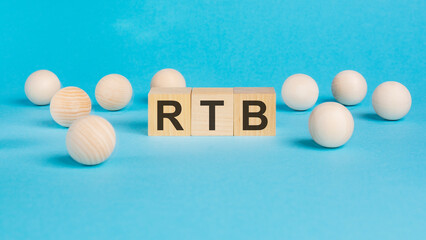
{"x": 254, "y": 111}
{"x": 212, "y": 112}
{"x": 169, "y": 112}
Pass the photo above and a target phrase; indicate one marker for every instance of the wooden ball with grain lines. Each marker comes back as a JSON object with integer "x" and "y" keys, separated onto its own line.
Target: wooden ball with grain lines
{"x": 69, "y": 104}
{"x": 113, "y": 92}
{"x": 90, "y": 140}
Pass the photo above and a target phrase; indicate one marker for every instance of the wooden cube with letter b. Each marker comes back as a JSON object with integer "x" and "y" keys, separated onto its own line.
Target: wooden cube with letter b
{"x": 254, "y": 111}
{"x": 212, "y": 112}
{"x": 169, "y": 112}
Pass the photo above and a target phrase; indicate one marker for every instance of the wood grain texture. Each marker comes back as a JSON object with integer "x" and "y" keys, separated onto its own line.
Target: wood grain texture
{"x": 90, "y": 140}
{"x": 113, "y": 92}
{"x": 200, "y": 124}
{"x": 183, "y": 97}
{"x": 264, "y": 94}
{"x": 69, "y": 104}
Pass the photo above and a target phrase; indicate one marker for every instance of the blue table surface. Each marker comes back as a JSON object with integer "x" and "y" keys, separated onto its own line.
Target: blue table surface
{"x": 282, "y": 187}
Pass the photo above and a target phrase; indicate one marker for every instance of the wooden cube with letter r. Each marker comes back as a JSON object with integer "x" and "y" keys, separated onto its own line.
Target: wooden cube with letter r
{"x": 169, "y": 112}
{"x": 254, "y": 111}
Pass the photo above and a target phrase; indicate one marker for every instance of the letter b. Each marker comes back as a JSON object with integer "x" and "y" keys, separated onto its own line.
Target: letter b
{"x": 247, "y": 115}
{"x": 254, "y": 111}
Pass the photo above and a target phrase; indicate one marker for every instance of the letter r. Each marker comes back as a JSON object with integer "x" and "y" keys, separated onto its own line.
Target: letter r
{"x": 171, "y": 116}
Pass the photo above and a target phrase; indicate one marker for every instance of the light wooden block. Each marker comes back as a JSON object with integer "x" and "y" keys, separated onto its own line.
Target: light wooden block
{"x": 169, "y": 100}
{"x": 208, "y": 101}
{"x": 254, "y": 97}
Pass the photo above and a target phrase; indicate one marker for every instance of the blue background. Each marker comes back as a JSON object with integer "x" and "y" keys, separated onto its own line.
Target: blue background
{"x": 283, "y": 187}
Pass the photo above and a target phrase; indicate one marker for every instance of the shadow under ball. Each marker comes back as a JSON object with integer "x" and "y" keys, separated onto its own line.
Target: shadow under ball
{"x": 69, "y": 104}
{"x": 90, "y": 140}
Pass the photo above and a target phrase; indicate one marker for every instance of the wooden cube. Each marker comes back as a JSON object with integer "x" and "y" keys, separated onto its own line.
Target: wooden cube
{"x": 254, "y": 111}
{"x": 169, "y": 112}
{"x": 212, "y": 112}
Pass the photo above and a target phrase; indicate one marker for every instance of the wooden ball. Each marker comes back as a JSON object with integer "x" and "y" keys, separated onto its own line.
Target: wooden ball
{"x": 349, "y": 87}
{"x": 68, "y": 104}
{"x": 168, "y": 78}
{"x": 41, "y": 86}
{"x": 391, "y": 100}
{"x": 113, "y": 92}
{"x": 90, "y": 140}
{"x": 300, "y": 92}
{"x": 331, "y": 124}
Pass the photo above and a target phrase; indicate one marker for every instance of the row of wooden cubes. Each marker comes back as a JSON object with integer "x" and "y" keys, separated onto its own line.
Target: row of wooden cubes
{"x": 242, "y": 111}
